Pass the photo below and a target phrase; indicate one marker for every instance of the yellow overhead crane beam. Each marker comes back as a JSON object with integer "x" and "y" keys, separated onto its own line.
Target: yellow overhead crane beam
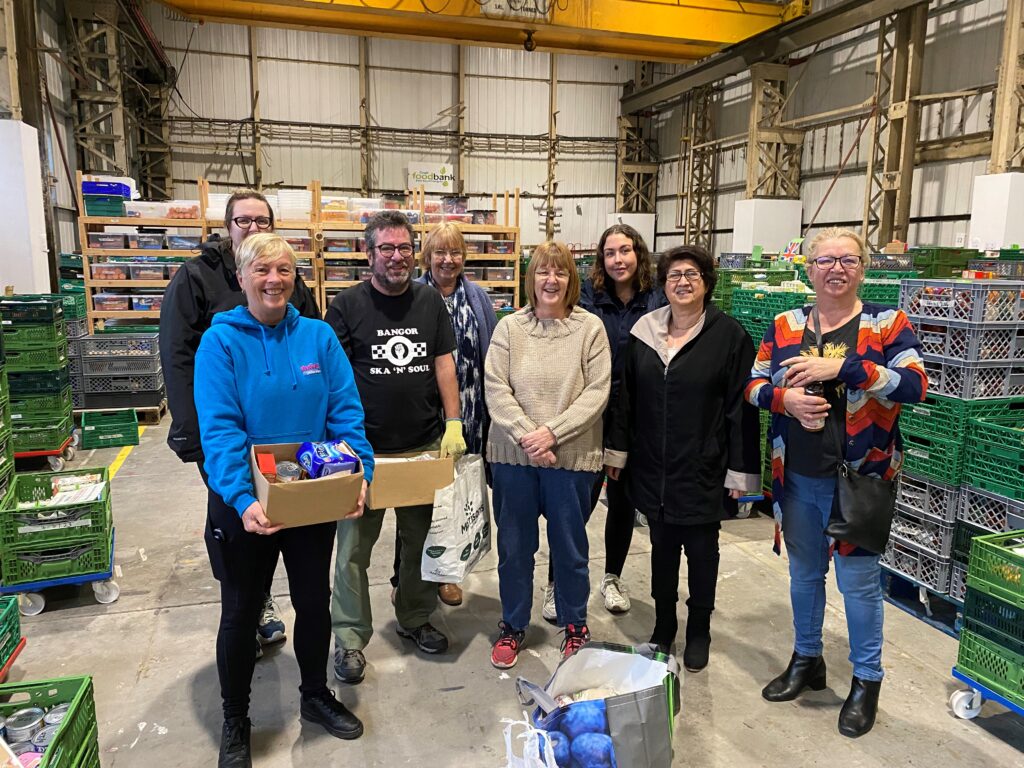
{"x": 654, "y": 30}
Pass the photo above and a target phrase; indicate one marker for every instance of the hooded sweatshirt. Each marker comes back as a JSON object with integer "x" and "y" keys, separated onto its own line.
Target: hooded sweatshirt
{"x": 202, "y": 287}
{"x": 256, "y": 383}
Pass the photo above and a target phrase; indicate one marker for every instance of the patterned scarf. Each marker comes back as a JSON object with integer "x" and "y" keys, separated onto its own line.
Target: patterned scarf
{"x": 468, "y": 365}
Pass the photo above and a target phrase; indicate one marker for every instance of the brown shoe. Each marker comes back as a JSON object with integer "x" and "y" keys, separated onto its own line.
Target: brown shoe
{"x": 450, "y": 594}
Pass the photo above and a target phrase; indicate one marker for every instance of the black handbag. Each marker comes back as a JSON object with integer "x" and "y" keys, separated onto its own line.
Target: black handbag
{"x": 863, "y": 506}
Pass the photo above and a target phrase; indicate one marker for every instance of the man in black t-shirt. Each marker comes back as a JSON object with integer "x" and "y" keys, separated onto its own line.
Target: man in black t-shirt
{"x": 399, "y": 339}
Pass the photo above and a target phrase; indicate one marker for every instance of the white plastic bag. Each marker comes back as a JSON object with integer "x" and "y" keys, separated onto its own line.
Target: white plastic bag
{"x": 536, "y": 751}
{"x": 460, "y": 528}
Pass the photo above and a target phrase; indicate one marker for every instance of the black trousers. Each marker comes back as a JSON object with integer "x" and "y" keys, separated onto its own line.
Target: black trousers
{"x": 206, "y": 481}
{"x": 241, "y": 562}
{"x": 618, "y": 524}
{"x": 668, "y": 541}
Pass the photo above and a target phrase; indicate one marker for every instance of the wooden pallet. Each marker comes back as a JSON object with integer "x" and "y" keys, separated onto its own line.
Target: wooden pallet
{"x": 148, "y": 416}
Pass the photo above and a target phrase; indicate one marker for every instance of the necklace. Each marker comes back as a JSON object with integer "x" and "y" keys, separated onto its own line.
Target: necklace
{"x": 671, "y": 323}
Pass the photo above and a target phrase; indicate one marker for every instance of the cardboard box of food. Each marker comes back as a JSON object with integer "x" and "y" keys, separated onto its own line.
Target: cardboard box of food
{"x": 399, "y": 483}
{"x": 303, "y": 502}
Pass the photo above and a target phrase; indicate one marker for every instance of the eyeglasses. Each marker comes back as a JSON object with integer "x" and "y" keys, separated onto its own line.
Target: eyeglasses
{"x": 388, "y": 250}
{"x": 690, "y": 275}
{"x": 848, "y": 261}
{"x": 244, "y": 222}
{"x": 442, "y": 254}
{"x": 544, "y": 273}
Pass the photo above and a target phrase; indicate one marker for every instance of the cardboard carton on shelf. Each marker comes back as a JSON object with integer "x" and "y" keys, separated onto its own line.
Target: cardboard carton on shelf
{"x": 303, "y": 502}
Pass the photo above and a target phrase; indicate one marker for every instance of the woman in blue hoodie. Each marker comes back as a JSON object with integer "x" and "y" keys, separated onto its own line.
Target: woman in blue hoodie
{"x": 266, "y": 375}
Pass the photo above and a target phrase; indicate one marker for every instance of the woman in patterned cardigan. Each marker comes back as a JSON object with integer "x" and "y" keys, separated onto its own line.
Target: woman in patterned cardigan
{"x": 869, "y": 366}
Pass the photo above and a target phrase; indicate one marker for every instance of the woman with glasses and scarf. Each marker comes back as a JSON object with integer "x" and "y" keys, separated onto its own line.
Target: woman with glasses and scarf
{"x": 682, "y": 428}
{"x": 204, "y": 286}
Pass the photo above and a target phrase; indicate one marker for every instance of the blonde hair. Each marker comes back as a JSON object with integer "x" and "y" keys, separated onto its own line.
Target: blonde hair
{"x": 557, "y": 255}
{"x": 835, "y": 233}
{"x": 445, "y": 235}
{"x": 263, "y": 246}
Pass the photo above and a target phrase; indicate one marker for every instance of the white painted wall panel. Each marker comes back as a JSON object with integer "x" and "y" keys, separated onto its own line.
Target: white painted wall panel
{"x": 414, "y": 56}
{"x": 174, "y": 31}
{"x": 303, "y": 92}
{"x": 584, "y": 175}
{"x": 298, "y": 163}
{"x": 588, "y": 110}
{"x": 490, "y": 172}
{"x": 583, "y": 220}
{"x": 594, "y": 69}
{"x": 300, "y": 45}
{"x": 506, "y": 106}
{"x": 212, "y": 85}
{"x": 412, "y": 99}
{"x": 506, "y": 63}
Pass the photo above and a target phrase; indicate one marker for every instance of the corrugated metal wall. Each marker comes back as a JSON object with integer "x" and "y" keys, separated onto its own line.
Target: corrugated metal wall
{"x": 309, "y": 77}
{"x": 962, "y": 52}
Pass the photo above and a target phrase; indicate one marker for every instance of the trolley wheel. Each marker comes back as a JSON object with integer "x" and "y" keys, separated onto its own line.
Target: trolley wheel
{"x": 31, "y": 603}
{"x": 106, "y": 591}
{"x": 56, "y": 463}
{"x": 69, "y": 453}
{"x": 76, "y": 438}
{"x": 966, "y": 704}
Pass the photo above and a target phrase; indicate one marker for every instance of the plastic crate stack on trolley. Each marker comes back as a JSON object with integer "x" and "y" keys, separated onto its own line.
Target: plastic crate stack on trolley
{"x": 36, "y": 349}
{"x": 972, "y": 340}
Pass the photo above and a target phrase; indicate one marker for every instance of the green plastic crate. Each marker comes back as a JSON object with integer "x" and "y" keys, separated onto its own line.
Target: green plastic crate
{"x": 79, "y": 724}
{"x": 963, "y": 535}
{"x": 51, "y": 381}
{"x": 996, "y": 568}
{"x": 5, "y": 387}
{"x": 10, "y": 628}
{"x": 25, "y": 565}
{"x": 925, "y": 255}
{"x": 30, "y": 308}
{"x": 18, "y": 335}
{"x": 40, "y": 358}
{"x": 999, "y": 668}
{"x": 42, "y": 434}
{"x": 891, "y": 274}
{"x": 942, "y": 416}
{"x": 107, "y": 429}
{"x": 53, "y": 525}
{"x": 44, "y": 406}
{"x": 765, "y": 305}
{"x": 881, "y": 292}
{"x": 70, "y": 287}
{"x": 70, "y": 260}
{"x": 89, "y": 754}
{"x": 994, "y": 458}
{"x": 995, "y": 620}
{"x": 933, "y": 457}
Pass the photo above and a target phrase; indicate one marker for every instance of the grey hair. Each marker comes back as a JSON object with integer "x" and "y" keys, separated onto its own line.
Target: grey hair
{"x": 388, "y": 219}
{"x": 834, "y": 233}
{"x": 263, "y": 246}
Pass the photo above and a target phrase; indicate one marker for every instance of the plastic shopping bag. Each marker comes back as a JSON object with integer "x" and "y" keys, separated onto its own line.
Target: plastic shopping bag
{"x": 536, "y": 750}
{"x": 460, "y": 528}
{"x": 609, "y": 705}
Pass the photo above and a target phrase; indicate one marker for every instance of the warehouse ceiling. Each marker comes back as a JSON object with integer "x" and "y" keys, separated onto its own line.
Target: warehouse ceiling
{"x": 653, "y": 30}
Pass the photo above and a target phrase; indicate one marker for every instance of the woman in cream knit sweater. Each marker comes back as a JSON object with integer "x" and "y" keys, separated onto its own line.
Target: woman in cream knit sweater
{"x": 547, "y": 376}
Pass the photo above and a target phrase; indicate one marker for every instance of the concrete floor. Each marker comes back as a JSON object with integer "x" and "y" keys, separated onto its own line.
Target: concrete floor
{"x": 152, "y": 658}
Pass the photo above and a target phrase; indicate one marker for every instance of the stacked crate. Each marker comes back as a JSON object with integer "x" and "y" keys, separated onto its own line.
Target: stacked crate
{"x": 121, "y": 370}
{"x": 935, "y": 262}
{"x": 10, "y": 633}
{"x": 730, "y": 279}
{"x": 69, "y": 271}
{"x": 992, "y": 637}
{"x": 6, "y": 438}
{"x": 75, "y": 743}
{"x": 969, "y": 332}
{"x": 56, "y": 525}
{"x": 756, "y": 308}
{"x": 36, "y": 347}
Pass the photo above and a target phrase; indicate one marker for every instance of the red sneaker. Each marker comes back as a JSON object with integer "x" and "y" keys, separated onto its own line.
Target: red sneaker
{"x": 505, "y": 652}
{"x": 576, "y": 636}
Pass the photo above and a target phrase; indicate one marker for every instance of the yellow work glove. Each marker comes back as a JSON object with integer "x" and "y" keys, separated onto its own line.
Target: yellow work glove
{"x": 452, "y": 444}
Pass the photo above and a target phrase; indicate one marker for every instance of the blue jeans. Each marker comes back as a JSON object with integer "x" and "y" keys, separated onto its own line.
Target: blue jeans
{"x": 806, "y": 507}
{"x": 521, "y": 496}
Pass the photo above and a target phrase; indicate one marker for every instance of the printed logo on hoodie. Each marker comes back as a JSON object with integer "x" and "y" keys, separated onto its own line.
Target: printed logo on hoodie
{"x": 310, "y": 369}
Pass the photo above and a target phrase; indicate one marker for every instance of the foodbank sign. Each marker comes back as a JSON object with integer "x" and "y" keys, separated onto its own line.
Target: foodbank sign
{"x": 432, "y": 177}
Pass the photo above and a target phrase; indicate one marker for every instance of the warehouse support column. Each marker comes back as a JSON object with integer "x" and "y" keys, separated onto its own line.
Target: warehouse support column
{"x": 1008, "y": 125}
{"x": 10, "y": 96}
{"x": 773, "y": 151}
{"x": 636, "y": 166}
{"x": 700, "y": 174}
{"x": 551, "y": 185}
{"x": 895, "y": 125}
{"x": 254, "y": 84}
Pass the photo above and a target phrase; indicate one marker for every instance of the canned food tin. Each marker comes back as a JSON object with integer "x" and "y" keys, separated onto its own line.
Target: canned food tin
{"x": 24, "y": 724}
{"x": 42, "y": 739}
{"x": 56, "y": 715}
{"x": 3, "y": 728}
{"x": 21, "y": 748}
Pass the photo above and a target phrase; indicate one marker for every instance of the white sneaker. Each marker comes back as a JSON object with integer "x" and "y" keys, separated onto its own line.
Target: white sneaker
{"x": 616, "y": 599}
{"x": 549, "y": 612}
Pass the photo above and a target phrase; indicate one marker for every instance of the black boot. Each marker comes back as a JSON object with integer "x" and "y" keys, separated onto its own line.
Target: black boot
{"x": 234, "y": 744}
{"x": 324, "y": 709}
{"x": 858, "y": 713}
{"x": 802, "y": 672}
{"x": 698, "y": 640}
